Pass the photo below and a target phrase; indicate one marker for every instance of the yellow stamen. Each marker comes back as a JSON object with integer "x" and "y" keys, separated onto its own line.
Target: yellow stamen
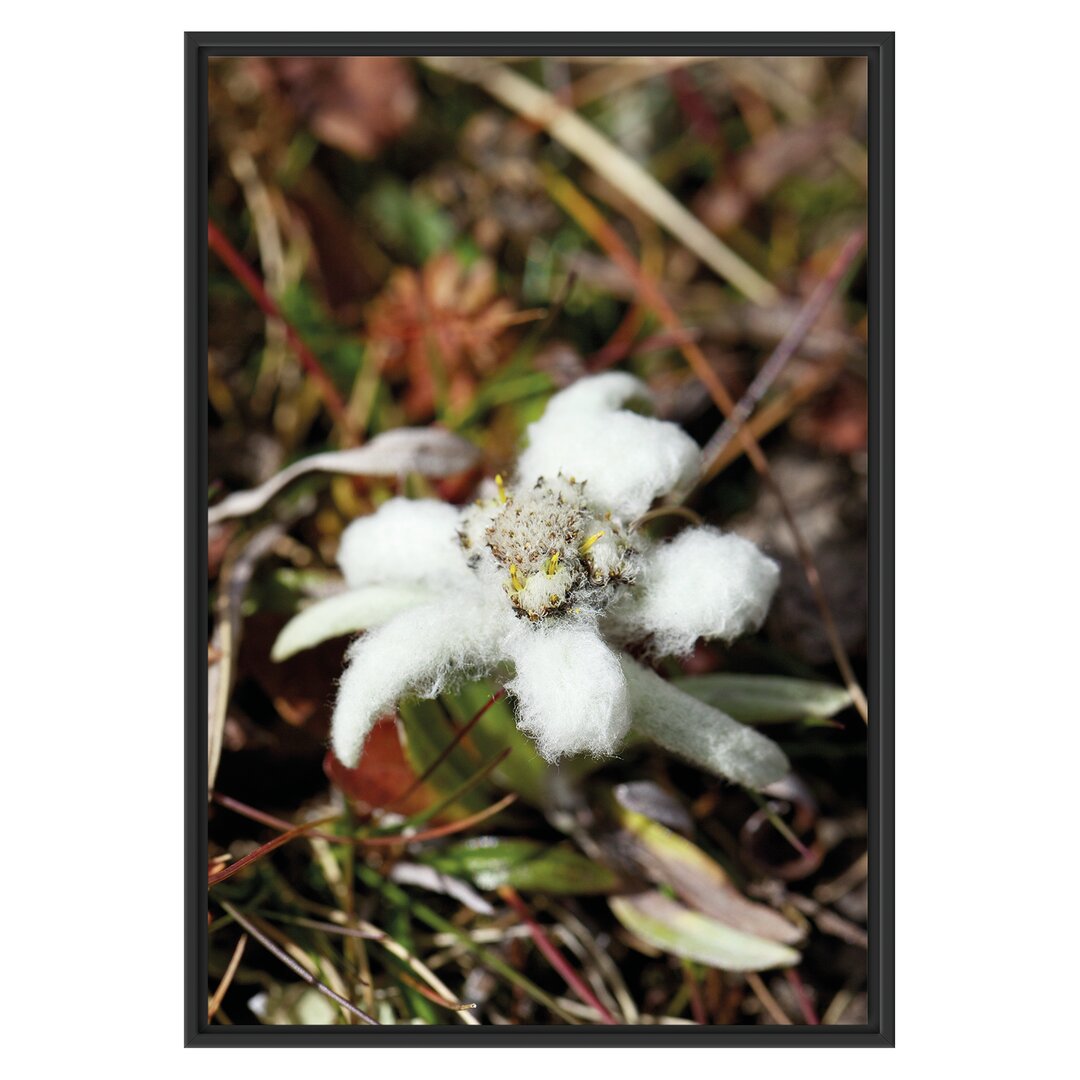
{"x": 552, "y": 564}
{"x": 515, "y": 579}
{"x": 592, "y": 540}
{"x": 553, "y": 598}
{"x": 501, "y": 486}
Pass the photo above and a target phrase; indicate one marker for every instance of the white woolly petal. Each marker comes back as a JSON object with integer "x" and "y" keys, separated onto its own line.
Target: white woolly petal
{"x": 598, "y": 393}
{"x": 703, "y": 735}
{"x": 570, "y": 690}
{"x": 410, "y": 540}
{"x": 704, "y": 583}
{"x": 346, "y": 613}
{"x": 417, "y": 652}
{"x": 626, "y": 459}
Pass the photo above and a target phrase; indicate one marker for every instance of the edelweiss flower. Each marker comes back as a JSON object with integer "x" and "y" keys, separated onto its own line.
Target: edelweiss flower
{"x": 548, "y": 575}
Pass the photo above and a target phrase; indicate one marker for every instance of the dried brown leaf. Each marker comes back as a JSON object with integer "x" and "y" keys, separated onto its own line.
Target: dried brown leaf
{"x": 441, "y": 325}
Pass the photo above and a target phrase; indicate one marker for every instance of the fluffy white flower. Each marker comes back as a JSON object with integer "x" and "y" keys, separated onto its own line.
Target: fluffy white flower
{"x": 411, "y": 541}
{"x": 628, "y": 459}
{"x": 545, "y": 574}
{"x": 704, "y": 583}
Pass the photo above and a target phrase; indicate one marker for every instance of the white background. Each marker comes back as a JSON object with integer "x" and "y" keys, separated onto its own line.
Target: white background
{"x": 92, "y": 439}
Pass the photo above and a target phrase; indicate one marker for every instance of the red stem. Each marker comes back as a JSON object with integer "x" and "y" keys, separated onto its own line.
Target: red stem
{"x": 265, "y": 849}
{"x": 801, "y": 996}
{"x": 251, "y": 281}
{"x": 693, "y": 104}
{"x": 360, "y": 841}
{"x": 554, "y": 957}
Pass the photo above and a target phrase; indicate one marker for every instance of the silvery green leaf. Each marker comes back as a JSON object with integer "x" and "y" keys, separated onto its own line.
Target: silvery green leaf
{"x": 347, "y": 613}
{"x": 528, "y": 865}
{"x": 666, "y": 924}
{"x": 767, "y": 699}
{"x": 429, "y": 451}
{"x": 703, "y": 735}
{"x": 427, "y": 877}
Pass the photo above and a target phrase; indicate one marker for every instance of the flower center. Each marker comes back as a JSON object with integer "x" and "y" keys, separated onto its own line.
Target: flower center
{"x": 555, "y": 552}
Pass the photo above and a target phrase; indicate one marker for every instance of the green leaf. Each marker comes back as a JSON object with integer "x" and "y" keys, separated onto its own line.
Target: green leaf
{"x": 703, "y": 735}
{"x": 347, "y": 613}
{"x": 426, "y": 733}
{"x": 766, "y": 699}
{"x": 413, "y": 223}
{"x": 666, "y": 924}
{"x": 490, "y": 861}
{"x": 524, "y": 771}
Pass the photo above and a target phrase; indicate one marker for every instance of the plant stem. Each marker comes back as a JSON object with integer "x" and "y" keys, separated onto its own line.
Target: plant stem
{"x": 251, "y": 281}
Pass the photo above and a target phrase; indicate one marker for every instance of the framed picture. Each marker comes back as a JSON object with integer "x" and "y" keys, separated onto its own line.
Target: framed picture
{"x": 539, "y": 539}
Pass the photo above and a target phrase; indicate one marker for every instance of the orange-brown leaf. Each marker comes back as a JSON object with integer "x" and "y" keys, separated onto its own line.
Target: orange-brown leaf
{"x": 382, "y": 775}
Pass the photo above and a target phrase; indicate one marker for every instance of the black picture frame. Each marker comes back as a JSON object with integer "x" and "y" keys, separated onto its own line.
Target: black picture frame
{"x": 878, "y": 48}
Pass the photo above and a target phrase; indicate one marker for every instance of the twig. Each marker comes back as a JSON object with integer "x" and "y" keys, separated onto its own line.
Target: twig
{"x": 490, "y": 960}
{"x": 795, "y": 105}
{"x": 368, "y": 841}
{"x": 838, "y": 1006}
{"x": 581, "y": 138}
{"x": 624, "y": 73}
{"x": 365, "y": 931}
{"x": 831, "y": 891}
{"x": 666, "y": 511}
{"x": 555, "y": 309}
{"x": 462, "y": 789}
{"x": 355, "y": 950}
{"x": 783, "y": 353}
{"x": 435, "y": 833}
{"x": 460, "y": 1007}
{"x": 440, "y": 993}
{"x": 250, "y": 812}
{"x": 235, "y": 578}
{"x": 272, "y": 259}
{"x": 554, "y": 957}
{"x": 593, "y": 222}
{"x": 697, "y": 1003}
{"x": 572, "y": 928}
{"x": 265, "y": 849}
{"x": 621, "y": 343}
{"x": 828, "y": 922}
{"x": 761, "y": 992}
{"x": 298, "y": 968}
{"x": 226, "y": 979}
{"x": 801, "y": 996}
{"x": 779, "y": 824}
{"x": 778, "y": 409}
{"x": 247, "y": 277}
{"x": 343, "y": 929}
